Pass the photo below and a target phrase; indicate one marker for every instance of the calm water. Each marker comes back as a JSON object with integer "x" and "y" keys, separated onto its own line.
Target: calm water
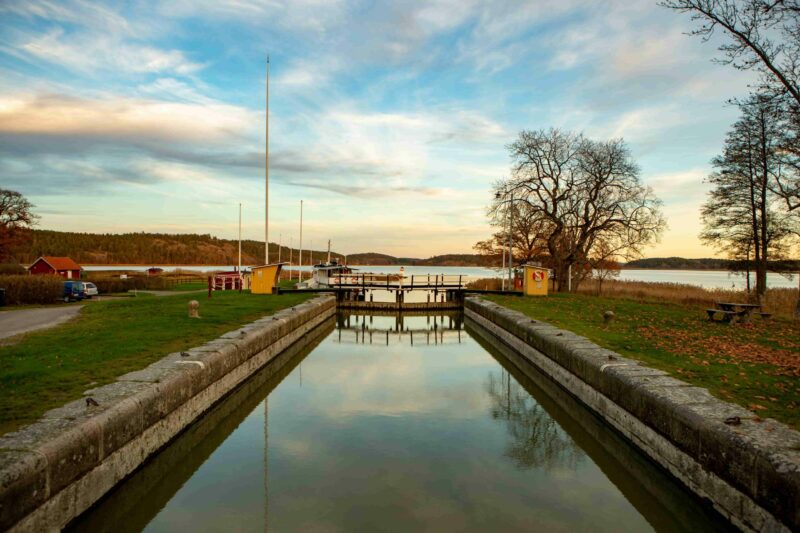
{"x": 703, "y": 278}
{"x": 398, "y": 424}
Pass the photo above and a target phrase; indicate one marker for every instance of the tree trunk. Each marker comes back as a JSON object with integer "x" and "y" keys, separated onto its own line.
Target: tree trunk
{"x": 797, "y": 306}
{"x": 562, "y": 275}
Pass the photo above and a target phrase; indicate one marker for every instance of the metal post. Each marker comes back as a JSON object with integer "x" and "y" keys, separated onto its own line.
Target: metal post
{"x": 510, "y": 243}
{"x": 280, "y": 245}
{"x": 239, "y": 269}
{"x": 300, "y": 264}
{"x": 502, "y": 278}
{"x": 569, "y": 278}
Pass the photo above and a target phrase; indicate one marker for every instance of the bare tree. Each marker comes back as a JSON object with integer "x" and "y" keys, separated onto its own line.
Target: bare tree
{"x": 528, "y": 231}
{"x": 16, "y": 221}
{"x": 583, "y": 192}
{"x": 604, "y": 264}
{"x": 763, "y": 34}
{"x": 742, "y": 213}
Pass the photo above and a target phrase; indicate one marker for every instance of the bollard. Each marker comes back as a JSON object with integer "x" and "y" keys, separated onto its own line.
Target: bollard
{"x": 194, "y": 309}
{"x": 608, "y": 316}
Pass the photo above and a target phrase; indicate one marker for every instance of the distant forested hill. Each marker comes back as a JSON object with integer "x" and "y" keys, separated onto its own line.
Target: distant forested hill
{"x": 192, "y": 249}
{"x": 151, "y": 249}
{"x": 681, "y": 263}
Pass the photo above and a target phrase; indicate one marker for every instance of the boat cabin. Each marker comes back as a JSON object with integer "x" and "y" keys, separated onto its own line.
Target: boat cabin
{"x": 328, "y": 274}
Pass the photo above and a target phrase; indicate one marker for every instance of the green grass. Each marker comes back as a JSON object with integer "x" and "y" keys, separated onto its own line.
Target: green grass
{"x": 756, "y": 365}
{"x": 192, "y": 286}
{"x": 49, "y": 368}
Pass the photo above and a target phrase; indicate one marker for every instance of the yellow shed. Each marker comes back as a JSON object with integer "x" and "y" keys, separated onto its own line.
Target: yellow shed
{"x": 264, "y": 279}
{"x": 536, "y": 280}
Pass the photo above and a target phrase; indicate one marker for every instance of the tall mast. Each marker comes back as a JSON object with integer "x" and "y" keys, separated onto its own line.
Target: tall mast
{"x": 329, "y": 250}
{"x": 240, "y": 239}
{"x": 300, "y": 265}
{"x": 266, "y": 175}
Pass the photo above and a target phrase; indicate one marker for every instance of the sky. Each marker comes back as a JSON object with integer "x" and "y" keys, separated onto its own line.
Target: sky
{"x": 390, "y": 120}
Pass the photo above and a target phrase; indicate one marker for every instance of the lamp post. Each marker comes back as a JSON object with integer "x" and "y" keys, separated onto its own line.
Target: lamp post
{"x": 498, "y": 195}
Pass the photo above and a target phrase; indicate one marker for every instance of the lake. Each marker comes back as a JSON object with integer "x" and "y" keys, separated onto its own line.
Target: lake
{"x": 709, "y": 279}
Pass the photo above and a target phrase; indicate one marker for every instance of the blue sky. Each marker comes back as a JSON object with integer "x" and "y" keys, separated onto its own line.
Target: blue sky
{"x": 389, "y": 119}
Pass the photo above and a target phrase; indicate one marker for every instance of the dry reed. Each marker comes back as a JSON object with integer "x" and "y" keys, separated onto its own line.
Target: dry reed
{"x": 780, "y": 302}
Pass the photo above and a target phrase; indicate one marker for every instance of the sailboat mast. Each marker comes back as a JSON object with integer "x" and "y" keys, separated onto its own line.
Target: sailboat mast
{"x": 300, "y": 265}
{"x": 266, "y": 174}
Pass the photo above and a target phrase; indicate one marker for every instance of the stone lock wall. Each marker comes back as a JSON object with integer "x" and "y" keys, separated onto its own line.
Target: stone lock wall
{"x": 750, "y": 472}
{"x": 56, "y": 468}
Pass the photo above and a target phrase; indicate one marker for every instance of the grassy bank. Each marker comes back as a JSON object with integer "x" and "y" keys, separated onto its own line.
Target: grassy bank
{"x": 755, "y": 365}
{"x": 51, "y": 367}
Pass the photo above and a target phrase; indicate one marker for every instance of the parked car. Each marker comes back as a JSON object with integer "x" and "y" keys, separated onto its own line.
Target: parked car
{"x": 74, "y": 290}
{"x": 90, "y": 289}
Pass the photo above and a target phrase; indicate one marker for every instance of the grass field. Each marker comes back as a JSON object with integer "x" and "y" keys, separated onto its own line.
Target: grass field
{"x": 191, "y": 286}
{"x": 51, "y": 367}
{"x": 756, "y": 365}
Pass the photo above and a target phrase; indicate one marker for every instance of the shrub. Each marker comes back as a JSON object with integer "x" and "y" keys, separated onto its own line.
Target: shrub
{"x": 107, "y": 285}
{"x": 9, "y": 269}
{"x": 26, "y": 289}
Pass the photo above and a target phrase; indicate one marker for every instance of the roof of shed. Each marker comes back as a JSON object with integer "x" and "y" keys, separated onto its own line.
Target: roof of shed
{"x": 59, "y": 263}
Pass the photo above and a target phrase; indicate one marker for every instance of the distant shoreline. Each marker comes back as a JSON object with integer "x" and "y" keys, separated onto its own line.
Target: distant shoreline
{"x": 173, "y": 266}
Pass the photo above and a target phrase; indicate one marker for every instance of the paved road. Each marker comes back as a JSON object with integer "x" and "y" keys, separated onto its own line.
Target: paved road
{"x": 25, "y": 320}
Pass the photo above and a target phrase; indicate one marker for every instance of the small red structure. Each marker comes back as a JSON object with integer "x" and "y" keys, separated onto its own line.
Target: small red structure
{"x": 61, "y": 266}
{"x": 225, "y": 281}
{"x": 154, "y": 271}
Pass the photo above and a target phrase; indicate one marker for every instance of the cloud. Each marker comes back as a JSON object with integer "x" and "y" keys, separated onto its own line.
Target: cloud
{"x": 80, "y": 12}
{"x": 308, "y": 15}
{"x": 121, "y": 118}
{"x": 104, "y": 52}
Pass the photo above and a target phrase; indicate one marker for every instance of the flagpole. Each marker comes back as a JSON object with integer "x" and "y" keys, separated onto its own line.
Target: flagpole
{"x": 266, "y": 174}
{"x": 300, "y": 265}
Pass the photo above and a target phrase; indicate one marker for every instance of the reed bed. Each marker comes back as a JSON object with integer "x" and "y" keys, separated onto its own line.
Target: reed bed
{"x": 780, "y": 302}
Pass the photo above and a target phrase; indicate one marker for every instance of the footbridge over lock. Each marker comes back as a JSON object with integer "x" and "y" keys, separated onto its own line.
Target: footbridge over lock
{"x": 392, "y": 292}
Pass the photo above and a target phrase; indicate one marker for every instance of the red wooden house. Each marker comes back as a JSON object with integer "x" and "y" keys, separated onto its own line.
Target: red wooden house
{"x": 62, "y": 266}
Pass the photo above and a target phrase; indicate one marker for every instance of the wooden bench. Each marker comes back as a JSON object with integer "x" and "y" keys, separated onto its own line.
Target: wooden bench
{"x": 765, "y": 315}
{"x": 727, "y": 316}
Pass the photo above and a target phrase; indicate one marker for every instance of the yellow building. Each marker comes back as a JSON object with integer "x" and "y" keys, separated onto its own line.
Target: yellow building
{"x": 535, "y": 281}
{"x": 264, "y": 279}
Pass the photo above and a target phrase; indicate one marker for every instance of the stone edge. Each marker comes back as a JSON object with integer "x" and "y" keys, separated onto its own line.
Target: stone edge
{"x": 56, "y": 468}
{"x": 750, "y": 472}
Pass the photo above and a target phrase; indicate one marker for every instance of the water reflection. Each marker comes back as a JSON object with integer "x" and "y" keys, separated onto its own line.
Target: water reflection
{"x": 395, "y": 327}
{"x": 537, "y": 441}
{"x": 446, "y": 435}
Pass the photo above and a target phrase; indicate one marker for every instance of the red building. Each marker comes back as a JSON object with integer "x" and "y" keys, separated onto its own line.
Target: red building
{"x": 62, "y": 266}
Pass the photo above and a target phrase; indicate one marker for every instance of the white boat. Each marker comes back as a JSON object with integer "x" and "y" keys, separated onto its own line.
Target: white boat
{"x": 328, "y": 274}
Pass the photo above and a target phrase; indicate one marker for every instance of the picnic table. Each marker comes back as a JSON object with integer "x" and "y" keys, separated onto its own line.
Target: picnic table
{"x": 733, "y": 310}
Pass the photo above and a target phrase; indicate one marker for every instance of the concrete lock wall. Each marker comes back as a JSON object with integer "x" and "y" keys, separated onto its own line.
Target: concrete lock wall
{"x": 53, "y": 470}
{"x": 750, "y": 472}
